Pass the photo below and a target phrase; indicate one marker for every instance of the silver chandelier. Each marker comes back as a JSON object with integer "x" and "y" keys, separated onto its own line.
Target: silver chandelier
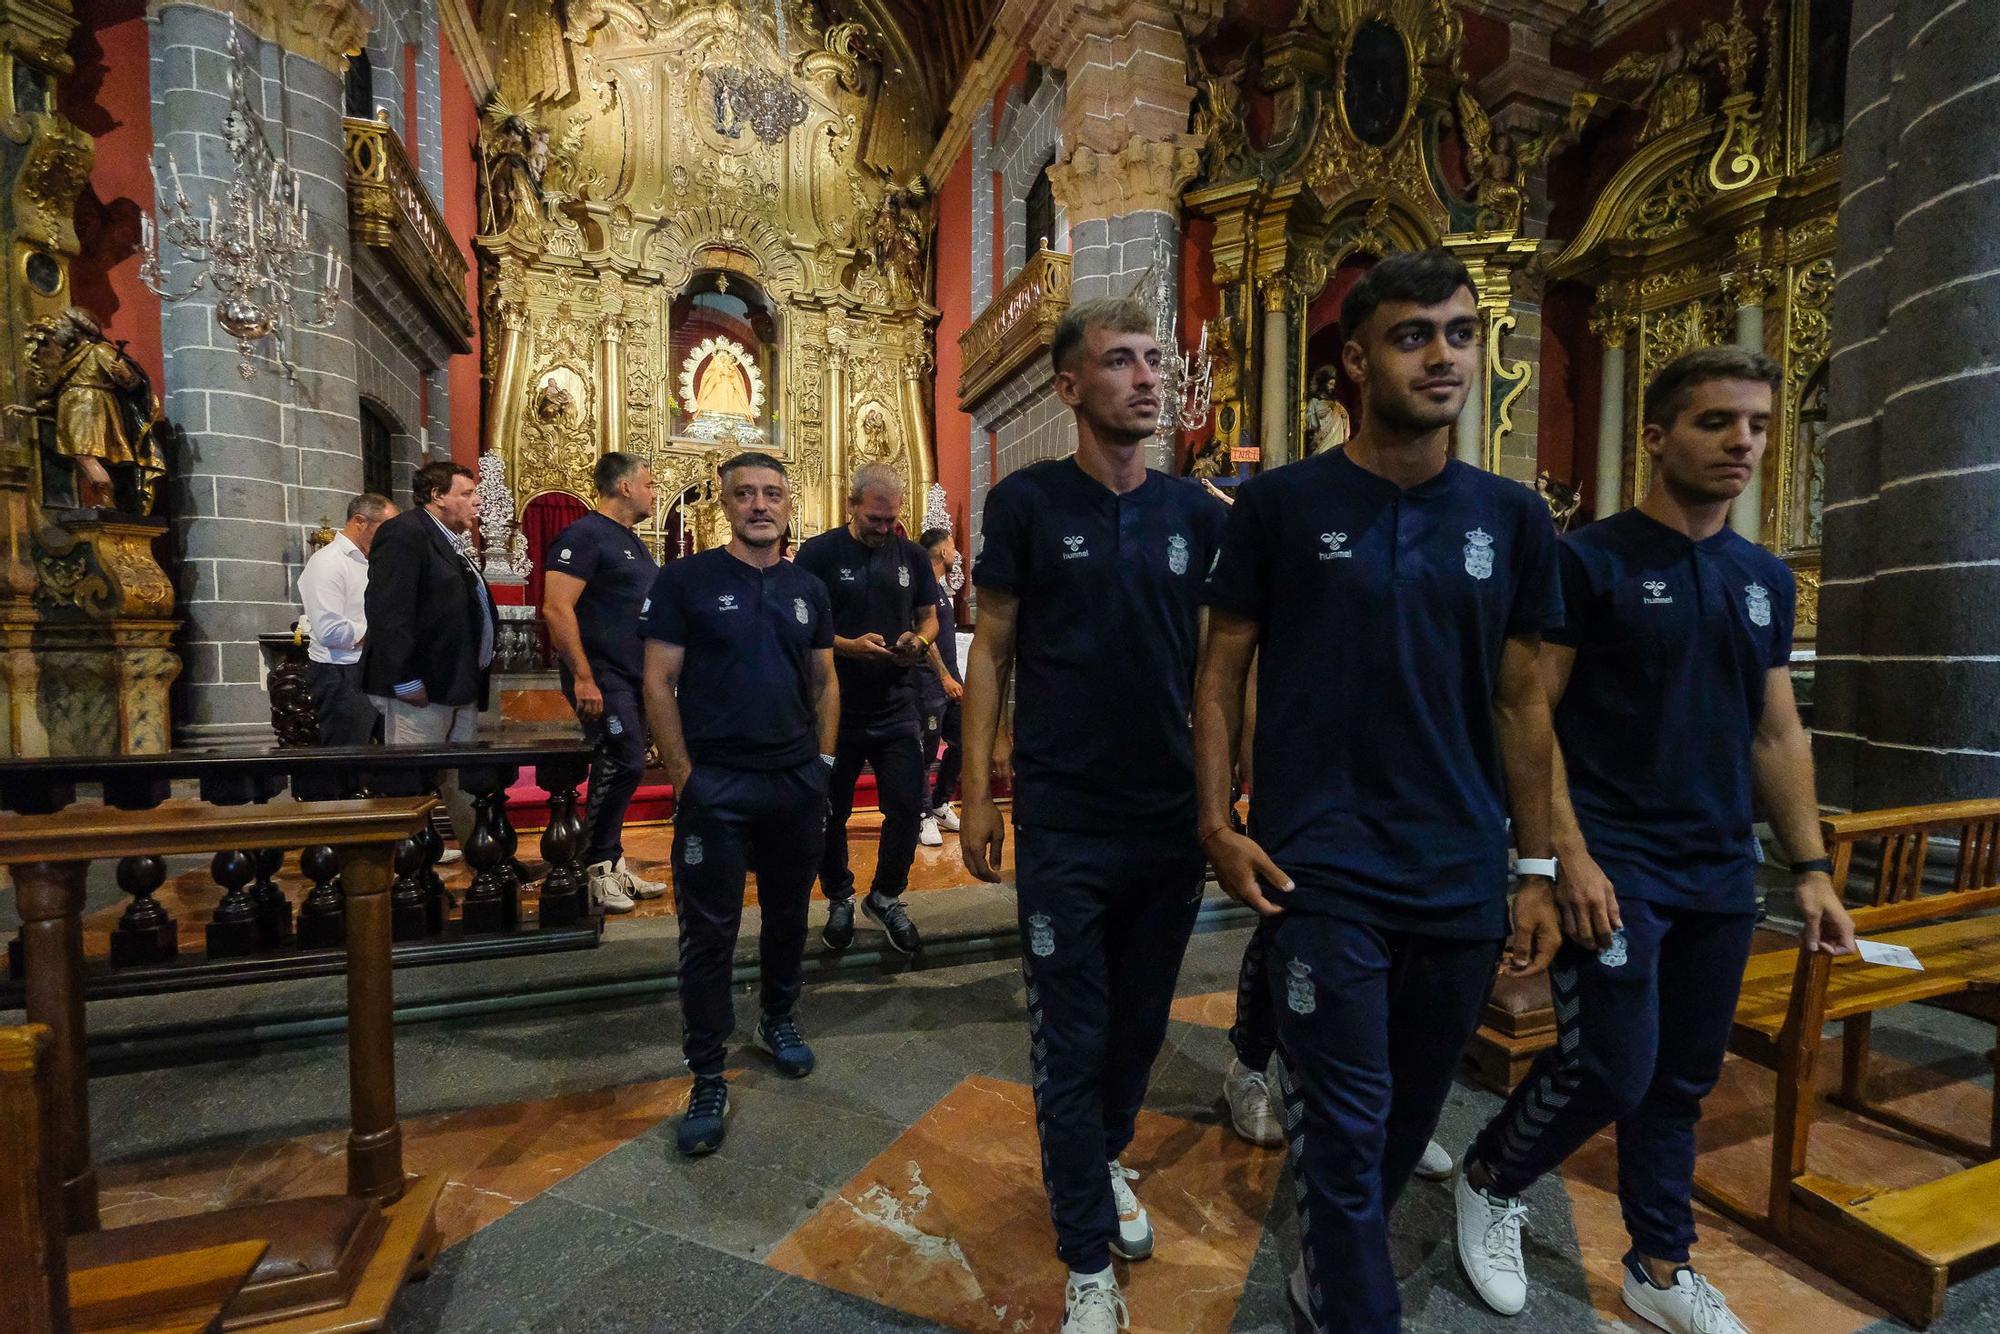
{"x": 252, "y": 242}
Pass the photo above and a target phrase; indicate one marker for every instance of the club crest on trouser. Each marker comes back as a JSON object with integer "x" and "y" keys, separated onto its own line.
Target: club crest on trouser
{"x": 1757, "y": 601}
{"x": 1041, "y": 935}
{"x": 691, "y": 852}
{"x": 1479, "y": 554}
{"x": 903, "y": 575}
{"x": 799, "y": 610}
{"x": 614, "y": 725}
{"x": 1299, "y": 987}
{"x": 1177, "y": 554}
{"x": 1613, "y": 955}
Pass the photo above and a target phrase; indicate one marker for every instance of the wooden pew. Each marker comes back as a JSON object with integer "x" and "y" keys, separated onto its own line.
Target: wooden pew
{"x": 1900, "y": 1247}
{"x": 44, "y": 1292}
{"x": 336, "y": 1262}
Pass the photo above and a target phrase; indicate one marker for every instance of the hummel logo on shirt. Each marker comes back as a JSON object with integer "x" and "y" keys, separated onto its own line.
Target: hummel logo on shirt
{"x": 1336, "y": 547}
{"x": 1076, "y": 548}
{"x": 727, "y": 602}
{"x": 1655, "y": 592}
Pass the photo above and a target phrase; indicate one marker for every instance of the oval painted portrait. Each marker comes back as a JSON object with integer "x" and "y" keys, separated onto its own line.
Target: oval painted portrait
{"x": 1375, "y": 83}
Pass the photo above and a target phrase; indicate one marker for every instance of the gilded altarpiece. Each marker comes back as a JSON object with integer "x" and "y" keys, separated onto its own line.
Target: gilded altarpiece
{"x": 615, "y": 187}
{"x": 1720, "y": 229}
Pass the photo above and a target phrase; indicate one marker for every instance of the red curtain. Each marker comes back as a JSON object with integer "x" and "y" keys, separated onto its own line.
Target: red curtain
{"x": 546, "y": 515}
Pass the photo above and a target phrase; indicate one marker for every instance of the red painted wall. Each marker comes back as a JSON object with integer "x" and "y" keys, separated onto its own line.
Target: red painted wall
{"x": 953, "y": 429}
{"x": 1567, "y": 398}
{"x": 108, "y": 97}
{"x": 461, "y": 218}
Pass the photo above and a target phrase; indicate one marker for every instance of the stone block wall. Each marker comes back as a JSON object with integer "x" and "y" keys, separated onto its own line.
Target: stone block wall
{"x": 1029, "y": 137}
{"x": 1909, "y": 615}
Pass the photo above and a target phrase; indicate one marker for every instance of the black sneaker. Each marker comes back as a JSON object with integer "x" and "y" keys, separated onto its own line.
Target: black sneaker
{"x": 780, "y": 1036}
{"x": 839, "y": 931}
{"x": 893, "y": 918}
{"x": 705, "y": 1121}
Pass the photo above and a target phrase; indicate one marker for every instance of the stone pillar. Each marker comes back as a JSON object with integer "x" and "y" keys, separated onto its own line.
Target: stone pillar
{"x": 1274, "y": 356}
{"x": 271, "y": 453}
{"x": 1748, "y": 286}
{"x": 1909, "y": 614}
{"x": 1610, "y": 322}
{"x": 983, "y": 238}
{"x": 1466, "y": 445}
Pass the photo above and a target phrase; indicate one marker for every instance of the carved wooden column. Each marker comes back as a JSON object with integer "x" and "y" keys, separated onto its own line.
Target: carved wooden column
{"x": 34, "y": 1298}
{"x": 613, "y": 375}
{"x": 375, "y": 1141}
{"x": 836, "y": 429}
{"x": 50, "y": 898}
{"x": 1274, "y": 355}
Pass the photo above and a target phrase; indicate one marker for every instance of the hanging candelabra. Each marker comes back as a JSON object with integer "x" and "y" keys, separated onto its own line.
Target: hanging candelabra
{"x": 1185, "y": 381}
{"x": 252, "y": 243}
{"x": 765, "y": 100}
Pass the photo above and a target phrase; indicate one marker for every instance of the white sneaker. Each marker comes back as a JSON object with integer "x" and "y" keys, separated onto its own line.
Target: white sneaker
{"x": 947, "y": 818}
{"x": 450, "y": 855}
{"x": 637, "y": 885}
{"x": 1489, "y": 1245}
{"x": 607, "y": 889}
{"x": 1249, "y": 1095}
{"x": 1436, "y": 1164}
{"x": 1094, "y": 1306}
{"x": 1135, "y": 1230}
{"x": 927, "y": 832}
{"x": 1691, "y": 1306}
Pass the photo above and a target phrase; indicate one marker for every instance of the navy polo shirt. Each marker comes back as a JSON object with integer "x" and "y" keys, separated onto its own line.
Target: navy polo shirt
{"x": 1673, "y": 639}
{"x": 746, "y": 692}
{"x": 1106, "y": 635}
{"x": 1381, "y": 615}
{"x": 874, "y": 590}
{"x": 617, "y": 572}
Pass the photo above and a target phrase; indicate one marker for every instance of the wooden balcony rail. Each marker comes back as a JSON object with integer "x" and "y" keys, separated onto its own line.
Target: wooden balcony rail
{"x": 1015, "y": 329}
{"x": 390, "y": 211}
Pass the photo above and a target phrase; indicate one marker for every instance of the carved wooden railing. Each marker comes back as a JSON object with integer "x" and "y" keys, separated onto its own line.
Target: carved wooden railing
{"x": 257, "y": 933}
{"x": 1016, "y": 328}
{"x": 390, "y": 211}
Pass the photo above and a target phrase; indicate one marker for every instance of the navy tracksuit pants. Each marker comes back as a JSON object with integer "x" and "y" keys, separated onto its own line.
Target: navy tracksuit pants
{"x": 898, "y": 762}
{"x": 1371, "y": 1024}
{"x": 1642, "y": 1028}
{"x": 619, "y": 737}
{"x": 1105, "y": 920}
{"x": 730, "y": 821}
{"x": 1254, "y": 1035}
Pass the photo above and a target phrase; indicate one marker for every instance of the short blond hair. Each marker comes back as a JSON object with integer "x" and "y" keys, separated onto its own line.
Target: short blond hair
{"x": 1120, "y": 314}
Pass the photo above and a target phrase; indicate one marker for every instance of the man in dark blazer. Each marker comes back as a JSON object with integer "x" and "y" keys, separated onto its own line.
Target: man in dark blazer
{"x": 431, "y": 623}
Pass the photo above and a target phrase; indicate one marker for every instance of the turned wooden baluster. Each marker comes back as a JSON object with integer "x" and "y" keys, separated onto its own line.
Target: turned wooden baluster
{"x": 274, "y": 910}
{"x": 146, "y": 932}
{"x": 234, "y": 929}
{"x": 408, "y": 916}
{"x": 565, "y": 889}
{"x": 437, "y": 904}
{"x": 492, "y": 903}
{"x": 323, "y": 915}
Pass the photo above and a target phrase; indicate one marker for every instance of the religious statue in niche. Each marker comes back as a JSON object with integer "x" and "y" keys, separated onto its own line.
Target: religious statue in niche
{"x": 1326, "y": 417}
{"x": 722, "y": 387}
{"x": 875, "y": 445}
{"x": 515, "y": 161}
{"x": 1498, "y": 163}
{"x": 899, "y": 240}
{"x": 97, "y": 424}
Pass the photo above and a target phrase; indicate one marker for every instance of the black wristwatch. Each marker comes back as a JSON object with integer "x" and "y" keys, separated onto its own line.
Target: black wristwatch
{"x": 1824, "y": 865}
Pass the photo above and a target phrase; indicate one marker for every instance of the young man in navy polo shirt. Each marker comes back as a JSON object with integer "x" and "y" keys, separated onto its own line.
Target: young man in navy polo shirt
{"x": 1671, "y": 680}
{"x": 1089, "y": 586}
{"x": 1394, "y": 599}
{"x": 884, "y": 623}
{"x": 744, "y": 705}
{"x": 598, "y": 574}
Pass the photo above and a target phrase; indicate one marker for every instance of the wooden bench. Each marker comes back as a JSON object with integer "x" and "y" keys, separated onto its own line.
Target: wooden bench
{"x": 1899, "y": 1247}
{"x": 334, "y": 1262}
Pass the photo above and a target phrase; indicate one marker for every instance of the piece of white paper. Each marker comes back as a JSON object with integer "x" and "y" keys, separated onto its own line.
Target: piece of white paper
{"x": 1890, "y": 956}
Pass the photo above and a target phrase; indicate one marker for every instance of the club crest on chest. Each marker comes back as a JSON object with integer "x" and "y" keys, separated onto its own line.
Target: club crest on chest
{"x": 1757, "y": 602}
{"x": 1177, "y": 554}
{"x": 800, "y": 610}
{"x": 1479, "y": 554}
{"x": 903, "y": 575}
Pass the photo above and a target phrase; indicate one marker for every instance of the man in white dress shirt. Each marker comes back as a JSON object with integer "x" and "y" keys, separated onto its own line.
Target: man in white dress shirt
{"x": 334, "y": 589}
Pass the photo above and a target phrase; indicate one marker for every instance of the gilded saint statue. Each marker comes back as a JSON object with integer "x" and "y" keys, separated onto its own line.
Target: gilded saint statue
{"x": 722, "y": 386}
{"x": 1326, "y": 417}
{"x": 98, "y": 422}
{"x": 517, "y": 158}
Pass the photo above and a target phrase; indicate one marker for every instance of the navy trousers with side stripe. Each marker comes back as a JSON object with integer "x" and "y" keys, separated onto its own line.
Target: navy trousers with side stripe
{"x": 1371, "y": 1025}
{"x": 1642, "y": 1028}
{"x": 1105, "y": 920}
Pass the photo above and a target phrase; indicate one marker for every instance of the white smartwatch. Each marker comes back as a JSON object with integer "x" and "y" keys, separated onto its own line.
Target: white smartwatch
{"x": 1541, "y": 866}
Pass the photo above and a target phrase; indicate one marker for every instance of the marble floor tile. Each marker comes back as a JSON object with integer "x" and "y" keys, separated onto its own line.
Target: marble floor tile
{"x": 950, "y": 1224}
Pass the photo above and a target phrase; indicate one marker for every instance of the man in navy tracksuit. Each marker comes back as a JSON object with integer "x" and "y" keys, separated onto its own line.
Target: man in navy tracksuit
{"x": 1394, "y": 599}
{"x": 1673, "y": 701}
{"x": 1089, "y": 589}
{"x": 885, "y": 623}
{"x": 744, "y": 705}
